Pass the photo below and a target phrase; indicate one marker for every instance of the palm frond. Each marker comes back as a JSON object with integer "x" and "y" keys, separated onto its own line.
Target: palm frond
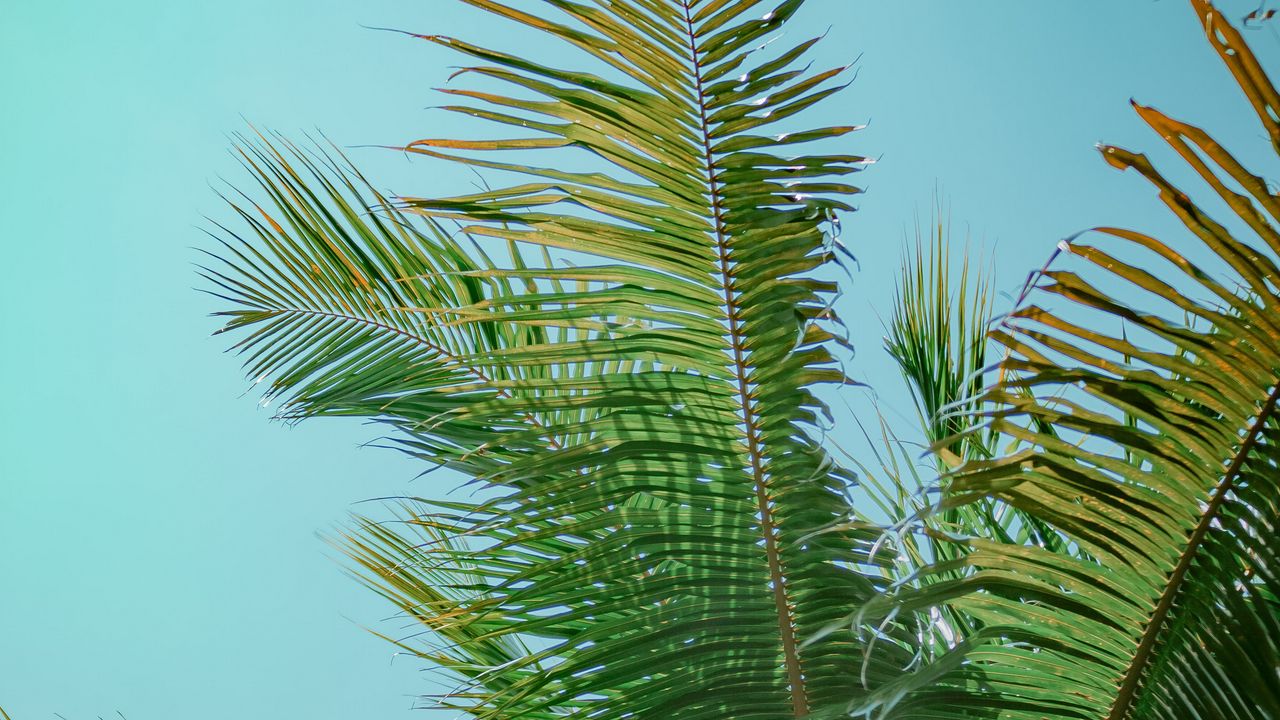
{"x": 656, "y": 518}
{"x": 351, "y": 310}
{"x": 424, "y": 571}
{"x": 937, "y": 336}
{"x": 1160, "y": 468}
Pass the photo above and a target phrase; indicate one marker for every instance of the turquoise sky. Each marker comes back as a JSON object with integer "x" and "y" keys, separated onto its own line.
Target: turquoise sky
{"x": 158, "y": 554}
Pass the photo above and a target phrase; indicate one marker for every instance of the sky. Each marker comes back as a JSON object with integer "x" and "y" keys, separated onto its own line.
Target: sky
{"x": 158, "y": 534}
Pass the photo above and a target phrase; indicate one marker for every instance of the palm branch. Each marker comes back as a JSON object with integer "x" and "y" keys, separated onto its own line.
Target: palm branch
{"x": 657, "y": 526}
{"x": 423, "y": 570}
{"x": 936, "y": 333}
{"x": 1144, "y": 403}
{"x": 937, "y": 336}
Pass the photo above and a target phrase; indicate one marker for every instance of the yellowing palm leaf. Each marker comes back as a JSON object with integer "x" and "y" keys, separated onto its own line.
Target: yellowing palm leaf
{"x": 1145, "y": 401}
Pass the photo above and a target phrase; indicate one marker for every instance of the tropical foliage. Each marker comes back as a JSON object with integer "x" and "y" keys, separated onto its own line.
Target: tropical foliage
{"x": 626, "y": 358}
{"x": 1142, "y": 408}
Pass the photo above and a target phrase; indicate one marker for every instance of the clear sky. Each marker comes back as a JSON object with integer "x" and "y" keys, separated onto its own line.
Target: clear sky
{"x": 158, "y": 554}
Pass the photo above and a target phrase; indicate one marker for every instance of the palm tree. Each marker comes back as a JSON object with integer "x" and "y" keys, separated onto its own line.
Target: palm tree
{"x": 624, "y": 360}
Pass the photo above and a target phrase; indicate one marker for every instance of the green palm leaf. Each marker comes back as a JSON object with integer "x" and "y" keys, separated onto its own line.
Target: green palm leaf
{"x": 937, "y": 336}
{"x": 385, "y": 346}
{"x": 1145, "y": 404}
{"x": 656, "y": 523}
{"x": 423, "y": 570}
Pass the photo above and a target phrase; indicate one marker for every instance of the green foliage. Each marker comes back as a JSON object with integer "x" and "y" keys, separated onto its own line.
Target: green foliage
{"x": 1147, "y": 437}
{"x": 658, "y": 525}
{"x": 624, "y": 362}
{"x": 938, "y": 336}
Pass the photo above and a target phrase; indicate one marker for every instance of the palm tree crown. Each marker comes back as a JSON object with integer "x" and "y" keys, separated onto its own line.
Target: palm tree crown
{"x": 624, "y": 361}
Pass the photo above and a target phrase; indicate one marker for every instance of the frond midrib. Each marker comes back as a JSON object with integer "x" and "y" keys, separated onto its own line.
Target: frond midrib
{"x": 1145, "y": 652}
{"x": 768, "y": 528}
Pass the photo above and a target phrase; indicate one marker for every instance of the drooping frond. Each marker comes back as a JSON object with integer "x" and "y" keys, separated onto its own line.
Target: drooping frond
{"x": 1158, "y": 366}
{"x": 655, "y": 517}
{"x": 424, "y": 571}
{"x": 351, "y": 308}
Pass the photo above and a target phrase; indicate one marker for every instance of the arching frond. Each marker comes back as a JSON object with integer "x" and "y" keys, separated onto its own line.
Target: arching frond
{"x": 657, "y": 523}
{"x": 1157, "y": 365}
{"x": 425, "y": 572}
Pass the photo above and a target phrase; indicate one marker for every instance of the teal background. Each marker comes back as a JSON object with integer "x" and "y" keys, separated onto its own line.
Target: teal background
{"x": 158, "y": 550}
